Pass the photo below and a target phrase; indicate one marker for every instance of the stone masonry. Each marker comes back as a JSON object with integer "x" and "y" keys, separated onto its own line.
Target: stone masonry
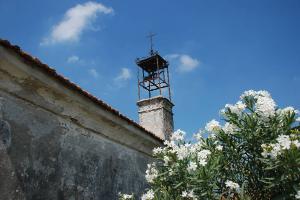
{"x": 156, "y": 115}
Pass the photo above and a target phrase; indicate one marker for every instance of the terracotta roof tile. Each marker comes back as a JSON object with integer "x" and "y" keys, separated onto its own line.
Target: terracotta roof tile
{"x": 33, "y": 61}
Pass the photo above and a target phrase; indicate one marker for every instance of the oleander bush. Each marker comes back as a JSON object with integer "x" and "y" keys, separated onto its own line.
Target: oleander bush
{"x": 253, "y": 156}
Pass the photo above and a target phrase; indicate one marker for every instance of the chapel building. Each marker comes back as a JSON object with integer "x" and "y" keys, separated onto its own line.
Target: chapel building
{"x": 57, "y": 141}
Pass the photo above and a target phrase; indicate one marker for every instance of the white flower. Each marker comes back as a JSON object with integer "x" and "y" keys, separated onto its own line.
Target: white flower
{"x": 296, "y": 143}
{"x": 170, "y": 144}
{"x": 126, "y": 196}
{"x": 237, "y": 108}
{"x": 198, "y": 135}
{"x": 288, "y": 110}
{"x": 166, "y": 160}
{"x": 248, "y": 93}
{"x": 203, "y": 154}
{"x": 202, "y": 157}
{"x": 192, "y": 166}
{"x": 232, "y": 185}
{"x": 264, "y": 146}
{"x": 273, "y": 150}
{"x": 240, "y": 106}
{"x": 212, "y": 136}
{"x": 265, "y": 107}
{"x": 178, "y": 135}
{"x": 263, "y": 93}
{"x": 193, "y": 149}
{"x": 255, "y": 94}
{"x": 219, "y": 147}
{"x": 284, "y": 141}
{"x": 182, "y": 152}
{"x": 229, "y": 128}
{"x": 157, "y": 150}
{"x": 212, "y": 126}
{"x": 148, "y": 195}
{"x": 265, "y": 154}
{"x": 184, "y": 194}
{"x": 196, "y": 147}
{"x": 276, "y": 150}
{"x": 151, "y": 173}
{"x": 202, "y": 162}
{"x": 188, "y": 194}
{"x": 297, "y": 196}
{"x": 187, "y": 145}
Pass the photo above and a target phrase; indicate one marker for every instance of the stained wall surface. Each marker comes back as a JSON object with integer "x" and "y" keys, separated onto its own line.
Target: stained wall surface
{"x": 156, "y": 115}
{"x": 56, "y": 144}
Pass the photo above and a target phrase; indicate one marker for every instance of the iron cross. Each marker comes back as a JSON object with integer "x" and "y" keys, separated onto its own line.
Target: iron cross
{"x": 150, "y": 36}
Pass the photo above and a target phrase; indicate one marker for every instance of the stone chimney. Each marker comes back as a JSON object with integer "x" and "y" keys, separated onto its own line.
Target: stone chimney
{"x": 155, "y": 115}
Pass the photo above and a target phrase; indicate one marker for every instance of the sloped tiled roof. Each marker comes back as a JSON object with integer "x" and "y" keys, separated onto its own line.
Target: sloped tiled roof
{"x": 35, "y": 62}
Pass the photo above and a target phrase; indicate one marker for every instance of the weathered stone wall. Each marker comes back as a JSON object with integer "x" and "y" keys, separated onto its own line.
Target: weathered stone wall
{"x": 155, "y": 114}
{"x": 56, "y": 144}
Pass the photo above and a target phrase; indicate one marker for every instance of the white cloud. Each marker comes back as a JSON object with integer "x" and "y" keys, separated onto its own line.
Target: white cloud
{"x": 93, "y": 73}
{"x": 75, "y": 21}
{"x": 124, "y": 75}
{"x": 73, "y": 59}
{"x": 185, "y": 62}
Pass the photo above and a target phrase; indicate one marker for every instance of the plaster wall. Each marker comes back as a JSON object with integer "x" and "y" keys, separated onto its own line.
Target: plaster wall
{"x": 56, "y": 144}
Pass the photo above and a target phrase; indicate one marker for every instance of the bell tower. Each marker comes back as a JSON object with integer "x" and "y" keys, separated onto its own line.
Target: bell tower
{"x": 154, "y": 93}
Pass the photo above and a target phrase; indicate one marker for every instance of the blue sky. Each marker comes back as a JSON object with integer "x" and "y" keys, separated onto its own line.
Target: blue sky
{"x": 217, "y": 49}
